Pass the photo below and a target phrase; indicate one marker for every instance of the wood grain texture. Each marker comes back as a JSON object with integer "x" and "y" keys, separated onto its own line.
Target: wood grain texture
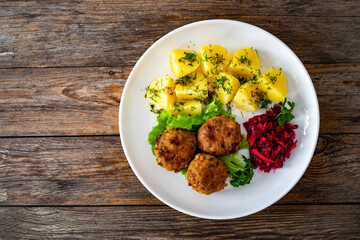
{"x": 94, "y": 171}
{"x": 116, "y": 33}
{"x": 69, "y": 101}
{"x": 63, "y": 67}
{"x": 85, "y": 101}
{"x": 276, "y": 222}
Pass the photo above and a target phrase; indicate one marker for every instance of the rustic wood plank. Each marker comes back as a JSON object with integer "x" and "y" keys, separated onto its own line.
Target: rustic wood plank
{"x": 94, "y": 171}
{"x": 84, "y": 101}
{"x": 71, "y": 171}
{"x": 275, "y": 222}
{"x": 67, "y": 101}
{"x": 116, "y": 33}
{"x": 276, "y": 8}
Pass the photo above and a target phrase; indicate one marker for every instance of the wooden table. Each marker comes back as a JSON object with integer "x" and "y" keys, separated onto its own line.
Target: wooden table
{"x": 63, "y": 173}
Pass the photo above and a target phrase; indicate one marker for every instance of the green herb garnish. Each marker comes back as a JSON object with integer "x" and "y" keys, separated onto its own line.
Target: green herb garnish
{"x": 243, "y": 176}
{"x": 263, "y": 101}
{"x": 285, "y": 114}
{"x": 189, "y": 56}
{"x": 240, "y": 169}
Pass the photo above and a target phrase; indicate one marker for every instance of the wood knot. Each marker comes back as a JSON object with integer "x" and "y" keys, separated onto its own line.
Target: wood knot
{"x": 321, "y": 145}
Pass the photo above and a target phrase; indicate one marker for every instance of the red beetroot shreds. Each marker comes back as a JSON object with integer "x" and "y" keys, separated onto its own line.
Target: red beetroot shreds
{"x": 270, "y": 144}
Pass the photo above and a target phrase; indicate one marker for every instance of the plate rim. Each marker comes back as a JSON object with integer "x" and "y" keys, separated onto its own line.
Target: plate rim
{"x": 121, "y": 114}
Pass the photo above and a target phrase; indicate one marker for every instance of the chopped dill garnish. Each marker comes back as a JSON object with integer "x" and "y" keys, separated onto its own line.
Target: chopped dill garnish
{"x": 220, "y": 82}
{"x": 263, "y": 101}
{"x": 190, "y": 57}
{"x": 156, "y": 111}
{"x": 244, "y": 59}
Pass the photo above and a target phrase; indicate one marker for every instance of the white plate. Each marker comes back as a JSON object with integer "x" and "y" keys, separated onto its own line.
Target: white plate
{"x": 136, "y": 121}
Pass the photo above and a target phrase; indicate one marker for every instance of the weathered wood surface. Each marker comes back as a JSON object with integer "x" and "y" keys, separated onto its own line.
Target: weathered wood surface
{"x": 63, "y": 66}
{"x": 94, "y": 171}
{"x": 101, "y": 33}
{"x": 160, "y": 222}
{"x": 84, "y": 101}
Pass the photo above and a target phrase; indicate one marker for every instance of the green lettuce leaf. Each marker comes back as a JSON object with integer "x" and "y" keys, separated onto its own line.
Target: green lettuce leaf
{"x": 187, "y": 122}
{"x": 215, "y": 108}
{"x": 233, "y": 162}
{"x": 164, "y": 119}
{"x": 244, "y": 144}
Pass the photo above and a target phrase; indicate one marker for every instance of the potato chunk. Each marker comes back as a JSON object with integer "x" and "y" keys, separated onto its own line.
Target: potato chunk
{"x": 225, "y": 86}
{"x": 161, "y": 92}
{"x": 246, "y": 97}
{"x": 245, "y": 63}
{"x": 193, "y": 86}
{"x": 183, "y": 62}
{"x": 190, "y": 107}
{"x": 214, "y": 58}
{"x": 273, "y": 83}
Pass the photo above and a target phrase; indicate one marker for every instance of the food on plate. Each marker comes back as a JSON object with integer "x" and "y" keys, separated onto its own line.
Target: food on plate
{"x": 192, "y": 117}
{"x": 220, "y": 136}
{"x": 246, "y": 97}
{"x": 166, "y": 120}
{"x": 229, "y": 78}
{"x": 190, "y": 107}
{"x": 193, "y": 86}
{"x": 207, "y": 174}
{"x": 273, "y": 84}
{"x": 183, "y": 62}
{"x": 214, "y": 59}
{"x": 225, "y": 86}
{"x": 270, "y": 142}
{"x": 245, "y": 63}
{"x": 174, "y": 148}
{"x": 161, "y": 92}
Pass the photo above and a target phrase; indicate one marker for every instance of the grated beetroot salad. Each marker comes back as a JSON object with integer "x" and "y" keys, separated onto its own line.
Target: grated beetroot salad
{"x": 270, "y": 144}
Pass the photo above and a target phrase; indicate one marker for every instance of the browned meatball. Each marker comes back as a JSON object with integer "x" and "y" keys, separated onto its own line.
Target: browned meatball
{"x": 207, "y": 174}
{"x": 174, "y": 148}
{"x": 220, "y": 136}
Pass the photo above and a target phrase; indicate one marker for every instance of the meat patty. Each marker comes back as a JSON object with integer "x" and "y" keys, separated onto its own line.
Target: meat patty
{"x": 220, "y": 136}
{"x": 174, "y": 148}
{"x": 207, "y": 174}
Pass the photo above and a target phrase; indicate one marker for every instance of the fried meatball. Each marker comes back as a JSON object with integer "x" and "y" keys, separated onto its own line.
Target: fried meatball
{"x": 220, "y": 136}
{"x": 174, "y": 148}
{"x": 206, "y": 174}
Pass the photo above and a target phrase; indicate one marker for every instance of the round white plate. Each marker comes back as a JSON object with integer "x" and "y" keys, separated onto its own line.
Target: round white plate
{"x": 136, "y": 121}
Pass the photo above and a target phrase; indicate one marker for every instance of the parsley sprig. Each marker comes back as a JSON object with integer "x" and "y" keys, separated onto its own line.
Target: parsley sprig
{"x": 285, "y": 114}
{"x": 243, "y": 176}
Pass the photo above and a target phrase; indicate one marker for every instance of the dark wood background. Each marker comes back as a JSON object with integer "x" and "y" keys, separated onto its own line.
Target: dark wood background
{"x": 63, "y": 66}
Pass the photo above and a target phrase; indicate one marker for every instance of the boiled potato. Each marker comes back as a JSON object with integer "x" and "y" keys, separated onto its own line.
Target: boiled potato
{"x": 246, "y": 97}
{"x": 190, "y": 107}
{"x": 214, "y": 58}
{"x": 161, "y": 92}
{"x": 183, "y": 62}
{"x": 273, "y": 83}
{"x": 245, "y": 63}
{"x": 193, "y": 86}
{"x": 225, "y": 86}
